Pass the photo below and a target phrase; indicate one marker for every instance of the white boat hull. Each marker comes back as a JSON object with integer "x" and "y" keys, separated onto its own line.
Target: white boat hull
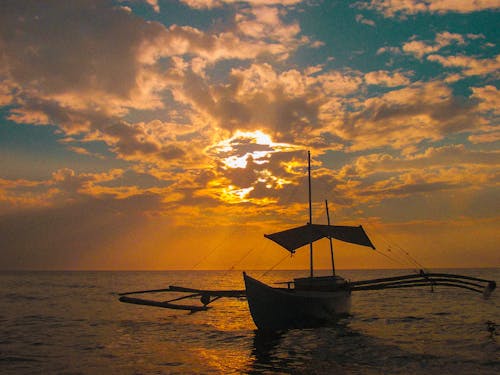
{"x": 280, "y": 308}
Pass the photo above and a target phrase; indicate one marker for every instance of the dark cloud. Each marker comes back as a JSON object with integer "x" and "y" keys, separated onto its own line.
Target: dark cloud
{"x": 276, "y": 111}
{"x": 129, "y": 141}
{"x": 407, "y": 189}
{"x": 81, "y": 46}
{"x": 170, "y": 152}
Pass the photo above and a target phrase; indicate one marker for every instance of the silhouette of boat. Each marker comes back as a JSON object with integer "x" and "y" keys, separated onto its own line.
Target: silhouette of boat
{"x": 282, "y": 308}
{"x": 309, "y": 301}
{"x": 313, "y": 300}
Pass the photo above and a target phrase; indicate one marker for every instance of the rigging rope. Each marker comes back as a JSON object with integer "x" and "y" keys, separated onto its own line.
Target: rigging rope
{"x": 403, "y": 261}
{"x": 276, "y": 265}
{"x": 409, "y": 256}
{"x": 215, "y": 247}
{"x": 390, "y": 243}
{"x": 239, "y": 260}
{"x": 390, "y": 258}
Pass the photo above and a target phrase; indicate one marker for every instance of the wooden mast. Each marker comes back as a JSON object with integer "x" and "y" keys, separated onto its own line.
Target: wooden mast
{"x": 310, "y": 213}
{"x": 330, "y": 238}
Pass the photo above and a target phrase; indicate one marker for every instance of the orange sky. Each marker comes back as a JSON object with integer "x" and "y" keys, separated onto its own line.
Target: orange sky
{"x": 173, "y": 135}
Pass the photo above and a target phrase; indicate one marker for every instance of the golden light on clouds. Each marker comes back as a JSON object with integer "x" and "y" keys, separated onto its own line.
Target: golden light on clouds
{"x": 256, "y": 145}
{"x": 232, "y": 194}
{"x": 271, "y": 181}
{"x": 244, "y": 156}
{"x": 116, "y": 120}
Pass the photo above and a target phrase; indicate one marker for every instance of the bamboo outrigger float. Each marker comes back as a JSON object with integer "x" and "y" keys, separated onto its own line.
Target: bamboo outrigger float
{"x": 314, "y": 300}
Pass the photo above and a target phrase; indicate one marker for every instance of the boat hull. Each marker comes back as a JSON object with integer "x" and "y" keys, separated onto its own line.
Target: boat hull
{"x": 280, "y": 308}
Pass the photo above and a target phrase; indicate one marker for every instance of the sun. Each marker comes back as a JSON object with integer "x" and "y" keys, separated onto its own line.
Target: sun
{"x": 256, "y": 145}
{"x": 245, "y": 160}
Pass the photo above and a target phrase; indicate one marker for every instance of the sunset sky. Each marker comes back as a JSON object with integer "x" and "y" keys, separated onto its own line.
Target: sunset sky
{"x": 174, "y": 134}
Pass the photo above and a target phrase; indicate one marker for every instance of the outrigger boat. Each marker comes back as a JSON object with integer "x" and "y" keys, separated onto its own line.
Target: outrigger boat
{"x": 314, "y": 300}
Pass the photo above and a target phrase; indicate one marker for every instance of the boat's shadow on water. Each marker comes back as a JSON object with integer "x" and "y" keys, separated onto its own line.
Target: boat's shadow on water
{"x": 335, "y": 349}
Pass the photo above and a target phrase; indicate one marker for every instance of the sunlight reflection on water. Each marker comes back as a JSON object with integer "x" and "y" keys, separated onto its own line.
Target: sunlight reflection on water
{"x": 71, "y": 322}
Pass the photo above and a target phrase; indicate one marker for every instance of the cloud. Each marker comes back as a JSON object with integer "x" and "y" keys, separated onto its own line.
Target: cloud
{"x": 407, "y": 116}
{"x": 82, "y": 54}
{"x": 233, "y": 44}
{"x": 338, "y": 83}
{"x": 65, "y": 187}
{"x": 208, "y": 4}
{"x": 440, "y": 157}
{"x": 154, "y": 5}
{"x": 385, "y": 78}
{"x": 267, "y": 22}
{"x": 83, "y": 151}
{"x": 489, "y": 104}
{"x": 419, "y": 48}
{"x": 252, "y": 168}
{"x": 470, "y": 66}
{"x": 489, "y": 98}
{"x": 389, "y": 49}
{"x": 361, "y": 19}
{"x": 86, "y": 65}
{"x": 436, "y": 183}
{"x": 437, "y": 174}
{"x": 485, "y": 137}
{"x": 403, "y": 8}
{"x": 128, "y": 141}
{"x": 443, "y": 39}
{"x": 6, "y": 95}
{"x": 285, "y": 104}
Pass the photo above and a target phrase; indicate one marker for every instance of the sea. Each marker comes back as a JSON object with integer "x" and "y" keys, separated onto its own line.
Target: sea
{"x": 71, "y": 322}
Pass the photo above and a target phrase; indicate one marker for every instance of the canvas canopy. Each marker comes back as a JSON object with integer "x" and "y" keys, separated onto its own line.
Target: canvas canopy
{"x": 292, "y": 239}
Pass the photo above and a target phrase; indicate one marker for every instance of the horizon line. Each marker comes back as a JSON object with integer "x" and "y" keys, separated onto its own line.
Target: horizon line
{"x": 238, "y": 270}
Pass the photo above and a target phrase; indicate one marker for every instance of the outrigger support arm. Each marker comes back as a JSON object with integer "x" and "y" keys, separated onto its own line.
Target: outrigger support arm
{"x": 486, "y": 287}
{"x": 206, "y": 297}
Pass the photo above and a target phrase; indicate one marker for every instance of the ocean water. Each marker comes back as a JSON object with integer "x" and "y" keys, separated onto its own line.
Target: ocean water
{"x": 73, "y": 323}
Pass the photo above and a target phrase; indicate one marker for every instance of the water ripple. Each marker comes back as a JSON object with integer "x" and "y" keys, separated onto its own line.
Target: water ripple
{"x": 73, "y": 323}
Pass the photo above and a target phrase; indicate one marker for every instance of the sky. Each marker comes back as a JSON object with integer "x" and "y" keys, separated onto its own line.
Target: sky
{"x": 138, "y": 135}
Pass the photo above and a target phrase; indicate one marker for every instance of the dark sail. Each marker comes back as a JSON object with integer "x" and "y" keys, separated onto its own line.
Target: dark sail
{"x": 292, "y": 239}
